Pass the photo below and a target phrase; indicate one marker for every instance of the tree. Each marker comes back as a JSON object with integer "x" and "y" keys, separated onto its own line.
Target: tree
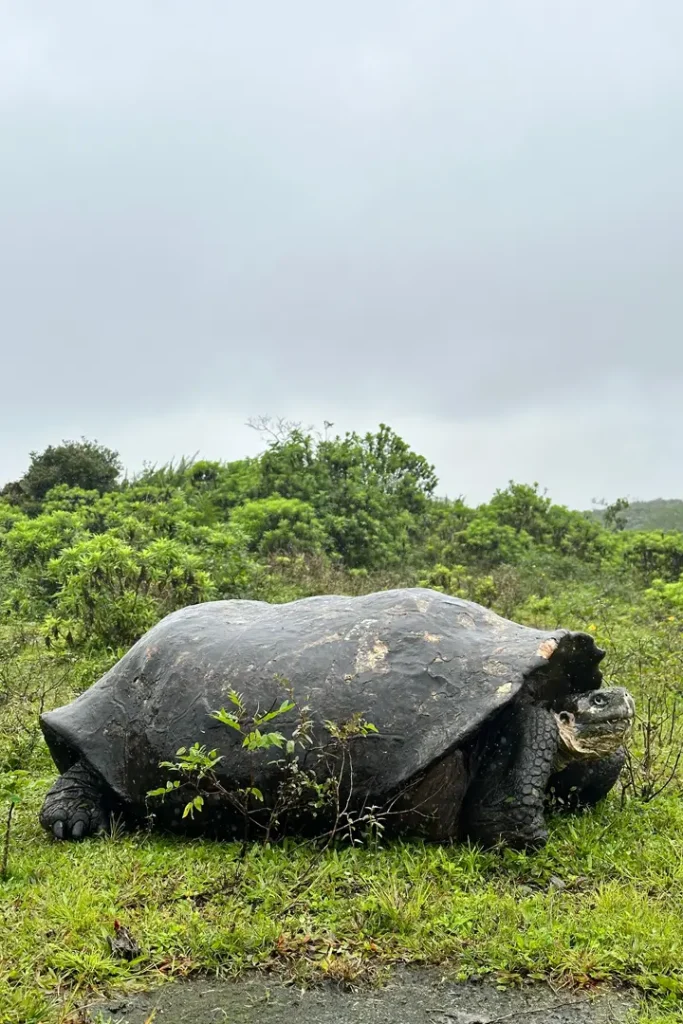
{"x": 84, "y": 464}
{"x": 371, "y": 494}
{"x": 522, "y": 508}
{"x": 614, "y": 515}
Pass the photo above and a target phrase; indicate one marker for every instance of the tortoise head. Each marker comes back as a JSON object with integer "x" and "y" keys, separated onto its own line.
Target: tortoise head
{"x": 595, "y": 723}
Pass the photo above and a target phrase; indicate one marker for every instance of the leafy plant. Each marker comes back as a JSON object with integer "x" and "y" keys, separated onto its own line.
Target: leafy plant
{"x": 321, "y": 786}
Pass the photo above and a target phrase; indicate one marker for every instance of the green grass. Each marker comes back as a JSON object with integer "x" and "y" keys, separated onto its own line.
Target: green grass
{"x": 193, "y": 906}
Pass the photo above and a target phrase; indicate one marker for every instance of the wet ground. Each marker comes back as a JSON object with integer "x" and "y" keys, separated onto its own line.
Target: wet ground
{"x": 412, "y": 996}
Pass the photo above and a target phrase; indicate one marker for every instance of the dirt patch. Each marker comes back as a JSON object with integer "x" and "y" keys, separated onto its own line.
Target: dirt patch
{"x": 412, "y": 996}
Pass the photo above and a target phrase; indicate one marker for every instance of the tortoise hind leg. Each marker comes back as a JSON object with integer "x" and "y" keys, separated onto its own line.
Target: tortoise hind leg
{"x": 506, "y": 799}
{"x": 76, "y": 805}
{"x": 585, "y": 783}
{"x": 430, "y": 807}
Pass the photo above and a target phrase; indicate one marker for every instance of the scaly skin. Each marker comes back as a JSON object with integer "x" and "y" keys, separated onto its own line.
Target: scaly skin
{"x": 506, "y": 800}
{"x": 77, "y": 804}
{"x": 584, "y": 783}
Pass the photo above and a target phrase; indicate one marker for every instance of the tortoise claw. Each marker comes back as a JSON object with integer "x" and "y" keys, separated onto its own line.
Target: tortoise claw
{"x": 58, "y": 830}
{"x": 78, "y": 830}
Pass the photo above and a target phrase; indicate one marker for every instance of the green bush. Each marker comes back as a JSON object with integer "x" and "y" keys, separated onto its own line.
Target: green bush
{"x": 108, "y": 594}
{"x": 652, "y": 554}
{"x": 279, "y": 526}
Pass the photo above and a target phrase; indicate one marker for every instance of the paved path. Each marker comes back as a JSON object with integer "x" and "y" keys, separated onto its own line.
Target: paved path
{"x": 413, "y": 996}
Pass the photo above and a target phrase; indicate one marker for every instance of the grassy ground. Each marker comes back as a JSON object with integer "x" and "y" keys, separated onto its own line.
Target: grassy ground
{"x": 603, "y": 901}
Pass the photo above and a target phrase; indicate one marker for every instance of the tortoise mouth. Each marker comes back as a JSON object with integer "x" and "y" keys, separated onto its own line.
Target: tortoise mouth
{"x": 613, "y": 722}
{"x": 594, "y": 739}
{"x": 616, "y": 721}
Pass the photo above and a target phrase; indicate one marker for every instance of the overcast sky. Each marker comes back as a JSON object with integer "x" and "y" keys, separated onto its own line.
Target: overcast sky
{"x": 463, "y": 218}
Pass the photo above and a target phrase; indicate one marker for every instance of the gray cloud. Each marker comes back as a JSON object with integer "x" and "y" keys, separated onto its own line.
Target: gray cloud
{"x": 462, "y": 218}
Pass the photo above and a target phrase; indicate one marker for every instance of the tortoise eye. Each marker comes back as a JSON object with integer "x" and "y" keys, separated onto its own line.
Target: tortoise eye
{"x": 599, "y": 699}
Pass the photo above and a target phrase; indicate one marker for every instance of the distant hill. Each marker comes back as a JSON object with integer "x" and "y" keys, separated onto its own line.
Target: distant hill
{"x": 658, "y": 514}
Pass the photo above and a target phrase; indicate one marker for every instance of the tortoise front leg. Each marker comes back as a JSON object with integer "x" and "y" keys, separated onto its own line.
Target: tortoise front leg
{"x": 77, "y": 804}
{"x": 585, "y": 783}
{"x": 506, "y": 799}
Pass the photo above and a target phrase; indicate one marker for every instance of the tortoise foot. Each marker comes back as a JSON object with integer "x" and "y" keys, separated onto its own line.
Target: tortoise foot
{"x": 75, "y": 807}
{"x": 526, "y": 835}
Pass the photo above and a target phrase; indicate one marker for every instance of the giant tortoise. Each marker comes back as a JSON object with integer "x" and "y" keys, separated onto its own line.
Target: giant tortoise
{"x": 478, "y": 718}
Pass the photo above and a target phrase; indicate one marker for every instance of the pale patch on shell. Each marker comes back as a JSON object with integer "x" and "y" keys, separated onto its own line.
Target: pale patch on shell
{"x": 495, "y": 668}
{"x": 432, "y": 638}
{"x": 331, "y": 639}
{"x": 360, "y": 628}
{"x": 504, "y": 689}
{"x": 547, "y": 648}
{"x": 371, "y": 659}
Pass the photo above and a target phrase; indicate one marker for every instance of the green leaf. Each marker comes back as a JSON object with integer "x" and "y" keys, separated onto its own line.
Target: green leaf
{"x": 286, "y": 706}
{"x": 226, "y": 718}
{"x": 255, "y": 740}
{"x": 252, "y": 740}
